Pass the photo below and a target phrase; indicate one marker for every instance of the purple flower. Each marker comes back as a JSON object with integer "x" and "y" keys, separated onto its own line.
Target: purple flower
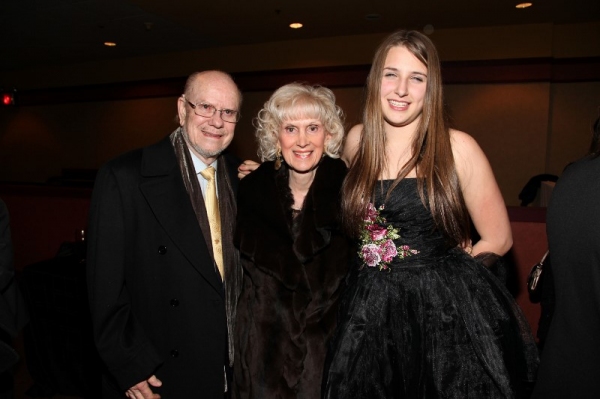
{"x": 388, "y": 251}
{"x": 371, "y": 254}
{"x": 377, "y": 232}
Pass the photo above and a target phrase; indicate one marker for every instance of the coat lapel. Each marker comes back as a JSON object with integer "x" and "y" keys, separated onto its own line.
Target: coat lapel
{"x": 162, "y": 186}
{"x": 321, "y": 210}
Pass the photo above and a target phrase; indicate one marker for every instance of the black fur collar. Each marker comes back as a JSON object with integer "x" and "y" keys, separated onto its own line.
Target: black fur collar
{"x": 264, "y": 228}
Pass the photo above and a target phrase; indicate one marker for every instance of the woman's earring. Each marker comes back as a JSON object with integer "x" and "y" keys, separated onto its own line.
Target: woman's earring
{"x": 278, "y": 159}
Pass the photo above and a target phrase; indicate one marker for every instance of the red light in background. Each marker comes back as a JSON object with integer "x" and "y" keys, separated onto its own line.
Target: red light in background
{"x": 8, "y": 98}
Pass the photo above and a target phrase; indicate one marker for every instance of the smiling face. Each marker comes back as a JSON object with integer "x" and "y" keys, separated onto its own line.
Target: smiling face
{"x": 302, "y": 143}
{"x": 207, "y": 137}
{"x": 403, "y": 88}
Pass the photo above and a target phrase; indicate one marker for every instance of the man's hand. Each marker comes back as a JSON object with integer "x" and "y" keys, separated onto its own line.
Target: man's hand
{"x": 142, "y": 390}
{"x": 246, "y": 167}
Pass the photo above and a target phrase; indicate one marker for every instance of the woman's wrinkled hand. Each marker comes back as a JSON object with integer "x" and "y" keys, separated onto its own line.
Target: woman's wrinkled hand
{"x": 246, "y": 167}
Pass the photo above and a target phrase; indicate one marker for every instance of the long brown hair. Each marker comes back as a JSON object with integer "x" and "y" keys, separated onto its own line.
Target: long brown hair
{"x": 431, "y": 148}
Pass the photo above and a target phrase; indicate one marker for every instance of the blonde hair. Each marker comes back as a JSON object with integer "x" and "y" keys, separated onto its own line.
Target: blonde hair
{"x": 295, "y": 101}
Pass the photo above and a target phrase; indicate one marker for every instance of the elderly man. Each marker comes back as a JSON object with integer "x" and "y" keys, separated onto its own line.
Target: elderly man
{"x": 163, "y": 274}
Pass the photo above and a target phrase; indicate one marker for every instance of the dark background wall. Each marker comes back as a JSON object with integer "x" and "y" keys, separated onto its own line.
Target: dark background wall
{"x": 527, "y": 93}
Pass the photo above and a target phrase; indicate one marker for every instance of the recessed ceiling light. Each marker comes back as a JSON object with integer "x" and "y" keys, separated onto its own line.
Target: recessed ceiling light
{"x": 524, "y": 5}
{"x": 110, "y": 44}
{"x": 296, "y": 25}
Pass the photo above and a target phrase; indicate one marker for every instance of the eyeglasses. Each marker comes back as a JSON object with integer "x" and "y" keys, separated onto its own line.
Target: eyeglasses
{"x": 208, "y": 110}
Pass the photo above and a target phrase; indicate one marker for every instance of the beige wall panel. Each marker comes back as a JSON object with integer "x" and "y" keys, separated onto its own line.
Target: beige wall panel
{"x": 575, "y": 107}
{"x": 510, "y": 123}
{"x": 244, "y": 143}
{"x": 580, "y": 40}
{"x": 37, "y": 142}
{"x": 492, "y": 43}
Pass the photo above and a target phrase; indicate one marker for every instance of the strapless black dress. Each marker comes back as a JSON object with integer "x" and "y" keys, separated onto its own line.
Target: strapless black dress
{"x": 419, "y": 320}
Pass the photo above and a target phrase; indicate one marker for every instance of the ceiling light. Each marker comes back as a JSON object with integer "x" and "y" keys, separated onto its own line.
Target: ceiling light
{"x": 524, "y": 5}
{"x": 110, "y": 44}
{"x": 296, "y": 25}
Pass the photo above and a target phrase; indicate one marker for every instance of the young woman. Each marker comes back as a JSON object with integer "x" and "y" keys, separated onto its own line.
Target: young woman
{"x": 422, "y": 316}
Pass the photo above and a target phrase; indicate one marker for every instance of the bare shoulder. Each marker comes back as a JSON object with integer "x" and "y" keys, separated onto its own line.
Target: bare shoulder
{"x": 462, "y": 142}
{"x": 465, "y": 148}
{"x": 469, "y": 158}
{"x": 481, "y": 194}
{"x": 351, "y": 143}
{"x": 355, "y": 130}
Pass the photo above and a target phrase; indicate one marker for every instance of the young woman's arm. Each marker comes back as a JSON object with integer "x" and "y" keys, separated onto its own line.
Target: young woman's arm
{"x": 482, "y": 196}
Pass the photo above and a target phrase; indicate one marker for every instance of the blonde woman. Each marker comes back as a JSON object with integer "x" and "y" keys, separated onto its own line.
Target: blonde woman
{"x": 294, "y": 254}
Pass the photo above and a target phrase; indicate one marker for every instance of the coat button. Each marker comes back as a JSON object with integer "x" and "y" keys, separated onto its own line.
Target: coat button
{"x": 174, "y": 302}
{"x": 162, "y": 250}
{"x": 174, "y": 353}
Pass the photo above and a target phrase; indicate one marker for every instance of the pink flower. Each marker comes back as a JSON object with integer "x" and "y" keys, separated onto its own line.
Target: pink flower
{"x": 371, "y": 254}
{"x": 378, "y": 248}
{"x": 371, "y": 214}
{"x": 377, "y": 232}
{"x": 388, "y": 251}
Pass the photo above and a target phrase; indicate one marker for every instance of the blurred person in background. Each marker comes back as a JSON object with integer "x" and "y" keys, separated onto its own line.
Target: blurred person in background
{"x": 570, "y": 364}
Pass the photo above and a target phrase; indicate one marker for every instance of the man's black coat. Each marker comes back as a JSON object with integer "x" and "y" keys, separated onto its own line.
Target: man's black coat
{"x": 158, "y": 305}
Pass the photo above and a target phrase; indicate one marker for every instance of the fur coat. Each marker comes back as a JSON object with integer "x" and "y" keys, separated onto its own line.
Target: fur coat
{"x": 294, "y": 273}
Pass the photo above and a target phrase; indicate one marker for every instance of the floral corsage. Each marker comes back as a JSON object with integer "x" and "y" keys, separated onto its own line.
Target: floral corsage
{"x": 377, "y": 246}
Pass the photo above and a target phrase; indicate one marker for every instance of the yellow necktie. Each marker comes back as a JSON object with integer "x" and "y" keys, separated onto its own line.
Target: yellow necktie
{"x": 214, "y": 218}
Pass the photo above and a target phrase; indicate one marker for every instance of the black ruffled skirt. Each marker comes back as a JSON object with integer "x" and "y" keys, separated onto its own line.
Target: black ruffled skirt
{"x": 441, "y": 327}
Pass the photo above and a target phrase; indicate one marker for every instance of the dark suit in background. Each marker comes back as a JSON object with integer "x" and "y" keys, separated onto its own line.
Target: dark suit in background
{"x": 570, "y": 364}
{"x": 13, "y": 315}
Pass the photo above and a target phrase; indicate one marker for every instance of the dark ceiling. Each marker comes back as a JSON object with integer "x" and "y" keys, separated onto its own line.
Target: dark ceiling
{"x": 35, "y": 33}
